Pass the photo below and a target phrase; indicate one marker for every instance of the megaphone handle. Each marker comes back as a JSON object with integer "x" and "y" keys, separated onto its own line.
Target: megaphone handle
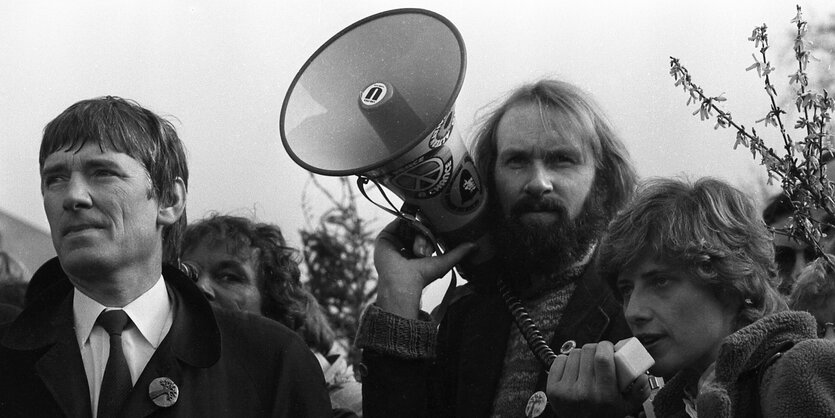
{"x": 415, "y": 223}
{"x": 362, "y": 181}
{"x": 407, "y": 212}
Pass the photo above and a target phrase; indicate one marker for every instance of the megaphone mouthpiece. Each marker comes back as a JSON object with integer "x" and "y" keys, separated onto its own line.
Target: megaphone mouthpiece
{"x": 389, "y": 114}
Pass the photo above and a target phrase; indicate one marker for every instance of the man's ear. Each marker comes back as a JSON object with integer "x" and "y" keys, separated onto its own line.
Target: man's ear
{"x": 171, "y": 210}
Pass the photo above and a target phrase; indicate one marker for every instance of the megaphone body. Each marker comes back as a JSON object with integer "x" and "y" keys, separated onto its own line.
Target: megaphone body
{"x": 377, "y": 101}
{"x": 439, "y": 178}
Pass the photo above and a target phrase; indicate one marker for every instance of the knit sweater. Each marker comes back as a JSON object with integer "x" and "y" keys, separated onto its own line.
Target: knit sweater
{"x": 800, "y": 383}
{"x": 521, "y": 367}
{"x": 416, "y": 368}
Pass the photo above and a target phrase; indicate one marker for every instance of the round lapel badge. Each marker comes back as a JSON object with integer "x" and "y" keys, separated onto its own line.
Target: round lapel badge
{"x": 163, "y": 392}
{"x": 536, "y": 405}
{"x": 567, "y": 347}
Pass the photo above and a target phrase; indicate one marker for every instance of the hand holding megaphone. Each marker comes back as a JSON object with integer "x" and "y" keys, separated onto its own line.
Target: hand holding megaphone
{"x": 600, "y": 380}
{"x": 405, "y": 266}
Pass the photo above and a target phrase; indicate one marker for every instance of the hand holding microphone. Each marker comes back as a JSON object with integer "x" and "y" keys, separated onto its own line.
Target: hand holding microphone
{"x": 600, "y": 379}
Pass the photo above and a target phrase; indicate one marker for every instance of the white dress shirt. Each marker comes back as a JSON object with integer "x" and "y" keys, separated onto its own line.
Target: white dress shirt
{"x": 151, "y": 315}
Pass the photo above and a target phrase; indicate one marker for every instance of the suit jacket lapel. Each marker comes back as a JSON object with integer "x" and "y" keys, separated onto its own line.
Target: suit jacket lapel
{"x": 162, "y": 364}
{"x": 61, "y": 368}
{"x": 192, "y": 341}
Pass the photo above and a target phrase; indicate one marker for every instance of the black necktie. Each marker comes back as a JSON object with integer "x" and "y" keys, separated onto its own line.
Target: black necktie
{"x": 116, "y": 383}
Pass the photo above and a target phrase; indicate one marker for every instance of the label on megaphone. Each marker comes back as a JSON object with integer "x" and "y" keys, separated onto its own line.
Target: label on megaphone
{"x": 440, "y": 178}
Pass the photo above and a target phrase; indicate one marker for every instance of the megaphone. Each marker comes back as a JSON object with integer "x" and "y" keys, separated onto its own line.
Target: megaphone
{"x": 376, "y": 101}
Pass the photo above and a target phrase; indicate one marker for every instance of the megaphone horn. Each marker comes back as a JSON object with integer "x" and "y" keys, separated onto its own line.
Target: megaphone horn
{"x": 376, "y": 100}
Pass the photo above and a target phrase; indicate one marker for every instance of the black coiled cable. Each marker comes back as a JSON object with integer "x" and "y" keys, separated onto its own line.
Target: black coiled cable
{"x": 526, "y": 326}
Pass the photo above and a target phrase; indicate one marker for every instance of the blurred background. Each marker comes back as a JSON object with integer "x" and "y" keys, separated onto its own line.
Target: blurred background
{"x": 220, "y": 70}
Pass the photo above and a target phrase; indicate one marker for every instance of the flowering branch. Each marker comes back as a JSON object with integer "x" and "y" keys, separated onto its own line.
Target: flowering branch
{"x": 800, "y": 170}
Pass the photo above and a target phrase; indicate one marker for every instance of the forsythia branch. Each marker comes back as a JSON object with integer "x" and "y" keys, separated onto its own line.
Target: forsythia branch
{"x": 801, "y": 171}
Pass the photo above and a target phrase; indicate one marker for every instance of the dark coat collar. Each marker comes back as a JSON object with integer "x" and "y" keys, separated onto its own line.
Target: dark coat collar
{"x": 194, "y": 335}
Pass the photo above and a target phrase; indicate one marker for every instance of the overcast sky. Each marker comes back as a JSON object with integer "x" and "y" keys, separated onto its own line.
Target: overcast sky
{"x": 222, "y": 69}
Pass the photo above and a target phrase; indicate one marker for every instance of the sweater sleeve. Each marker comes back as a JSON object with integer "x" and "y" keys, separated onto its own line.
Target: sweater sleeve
{"x": 390, "y": 334}
{"x": 396, "y": 356}
{"x": 801, "y": 382}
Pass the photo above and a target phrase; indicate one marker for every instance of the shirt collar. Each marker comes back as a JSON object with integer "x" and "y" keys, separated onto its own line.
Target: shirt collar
{"x": 148, "y": 312}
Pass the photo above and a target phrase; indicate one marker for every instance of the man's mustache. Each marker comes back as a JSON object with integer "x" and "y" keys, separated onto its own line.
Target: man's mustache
{"x": 528, "y": 204}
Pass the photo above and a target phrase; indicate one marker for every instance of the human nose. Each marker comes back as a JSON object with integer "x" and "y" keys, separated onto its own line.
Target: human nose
{"x": 77, "y": 195}
{"x": 539, "y": 182}
{"x": 204, "y": 282}
{"x": 636, "y": 310}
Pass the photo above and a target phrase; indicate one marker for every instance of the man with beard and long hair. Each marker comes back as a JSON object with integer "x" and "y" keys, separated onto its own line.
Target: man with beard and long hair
{"x": 556, "y": 174}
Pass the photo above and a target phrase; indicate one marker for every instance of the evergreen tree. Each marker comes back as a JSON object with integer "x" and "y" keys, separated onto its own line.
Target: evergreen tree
{"x": 338, "y": 250}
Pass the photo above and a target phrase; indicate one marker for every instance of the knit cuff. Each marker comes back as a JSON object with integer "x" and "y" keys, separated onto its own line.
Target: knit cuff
{"x": 390, "y": 334}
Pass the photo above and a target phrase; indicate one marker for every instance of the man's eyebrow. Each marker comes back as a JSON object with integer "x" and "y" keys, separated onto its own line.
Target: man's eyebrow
{"x": 97, "y": 162}
{"x": 53, "y": 167}
{"x": 513, "y": 150}
{"x": 564, "y": 150}
{"x": 89, "y": 162}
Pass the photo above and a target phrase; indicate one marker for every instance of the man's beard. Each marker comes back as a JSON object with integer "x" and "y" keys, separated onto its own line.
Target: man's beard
{"x": 529, "y": 249}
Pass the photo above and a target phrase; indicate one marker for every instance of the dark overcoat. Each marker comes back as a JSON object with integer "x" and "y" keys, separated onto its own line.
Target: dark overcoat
{"x": 225, "y": 364}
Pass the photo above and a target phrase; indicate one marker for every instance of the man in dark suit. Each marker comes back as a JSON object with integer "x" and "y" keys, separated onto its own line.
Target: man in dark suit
{"x": 112, "y": 330}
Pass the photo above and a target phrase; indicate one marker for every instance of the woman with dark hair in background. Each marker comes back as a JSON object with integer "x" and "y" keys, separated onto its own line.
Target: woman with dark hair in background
{"x": 247, "y": 266}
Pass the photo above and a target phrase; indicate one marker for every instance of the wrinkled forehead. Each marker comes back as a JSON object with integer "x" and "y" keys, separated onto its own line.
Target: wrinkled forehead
{"x": 555, "y": 125}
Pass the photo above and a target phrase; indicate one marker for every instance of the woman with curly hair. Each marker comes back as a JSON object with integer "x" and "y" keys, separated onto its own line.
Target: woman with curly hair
{"x": 247, "y": 266}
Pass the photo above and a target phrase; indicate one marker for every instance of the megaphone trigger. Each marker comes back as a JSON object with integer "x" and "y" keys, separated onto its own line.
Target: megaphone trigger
{"x": 426, "y": 232}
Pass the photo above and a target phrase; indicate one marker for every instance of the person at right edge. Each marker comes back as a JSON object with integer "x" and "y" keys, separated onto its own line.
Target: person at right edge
{"x": 694, "y": 265}
{"x": 557, "y": 173}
